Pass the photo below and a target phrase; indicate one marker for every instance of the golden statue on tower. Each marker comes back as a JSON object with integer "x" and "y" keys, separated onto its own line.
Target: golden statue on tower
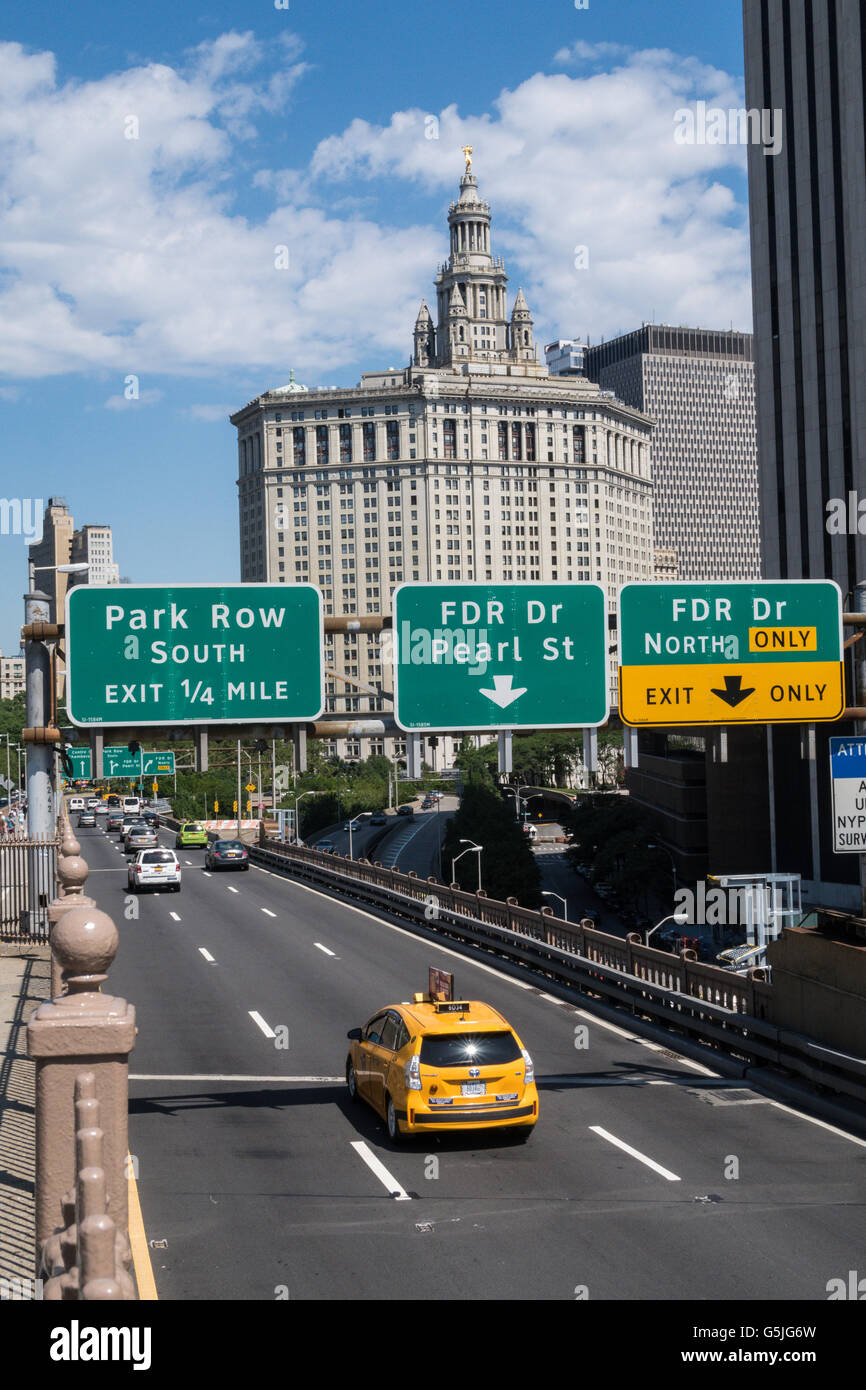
{"x": 467, "y": 153}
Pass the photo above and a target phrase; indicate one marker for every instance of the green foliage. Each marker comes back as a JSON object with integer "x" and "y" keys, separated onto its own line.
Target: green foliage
{"x": 508, "y": 868}
{"x": 545, "y": 759}
{"x": 12, "y": 721}
{"x": 613, "y": 835}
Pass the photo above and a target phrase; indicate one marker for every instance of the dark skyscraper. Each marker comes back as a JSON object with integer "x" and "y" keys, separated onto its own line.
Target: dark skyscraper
{"x": 805, "y": 58}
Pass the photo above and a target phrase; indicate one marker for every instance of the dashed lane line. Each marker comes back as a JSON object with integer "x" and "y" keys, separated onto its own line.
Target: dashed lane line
{"x": 260, "y": 1022}
{"x": 388, "y": 1181}
{"x": 635, "y": 1153}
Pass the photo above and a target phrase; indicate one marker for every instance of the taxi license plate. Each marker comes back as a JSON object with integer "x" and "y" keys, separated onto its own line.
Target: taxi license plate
{"x": 473, "y": 1088}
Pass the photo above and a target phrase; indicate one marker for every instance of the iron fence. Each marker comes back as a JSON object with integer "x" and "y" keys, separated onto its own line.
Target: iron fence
{"x": 28, "y": 882}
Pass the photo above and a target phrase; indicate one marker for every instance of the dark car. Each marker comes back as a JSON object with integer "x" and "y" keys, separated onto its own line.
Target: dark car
{"x": 227, "y": 854}
{"x": 405, "y": 811}
{"x": 150, "y": 818}
{"x": 379, "y": 818}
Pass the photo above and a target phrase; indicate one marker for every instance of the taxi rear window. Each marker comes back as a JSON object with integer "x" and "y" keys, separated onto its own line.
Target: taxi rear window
{"x": 469, "y": 1049}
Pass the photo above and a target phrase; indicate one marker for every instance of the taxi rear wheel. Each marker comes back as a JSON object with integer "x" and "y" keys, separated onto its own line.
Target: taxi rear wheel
{"x": 392, "y": 1122}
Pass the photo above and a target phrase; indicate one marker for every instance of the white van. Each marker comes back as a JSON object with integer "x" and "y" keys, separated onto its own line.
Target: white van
{"x": 131, "y": 805}
{"x": 76, "y": 803}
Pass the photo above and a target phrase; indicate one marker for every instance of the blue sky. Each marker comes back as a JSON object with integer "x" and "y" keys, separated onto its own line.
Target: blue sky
{"x": 154, "y": 156}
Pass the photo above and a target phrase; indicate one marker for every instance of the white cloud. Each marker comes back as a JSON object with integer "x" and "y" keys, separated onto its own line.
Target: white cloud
{"x": 568, "y": 162}
{"x": 142, "y": 255}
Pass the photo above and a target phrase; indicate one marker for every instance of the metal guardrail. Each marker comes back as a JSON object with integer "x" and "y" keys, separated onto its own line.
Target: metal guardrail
{"x": 28, "y": 882}
{"x": 726, "y": 1011}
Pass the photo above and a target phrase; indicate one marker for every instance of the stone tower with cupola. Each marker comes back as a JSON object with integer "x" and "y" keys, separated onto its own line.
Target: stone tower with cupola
{"x": 473, "y": 324}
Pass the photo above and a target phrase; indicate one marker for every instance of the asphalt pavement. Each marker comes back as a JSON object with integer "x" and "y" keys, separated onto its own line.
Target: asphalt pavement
{"x": 648, "y": 1177}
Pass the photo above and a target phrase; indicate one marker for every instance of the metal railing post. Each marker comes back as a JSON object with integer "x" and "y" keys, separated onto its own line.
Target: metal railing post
{"x": 72, "y": 874}
{"x": 82, "y": 1030}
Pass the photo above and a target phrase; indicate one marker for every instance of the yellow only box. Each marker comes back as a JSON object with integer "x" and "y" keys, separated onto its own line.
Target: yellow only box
{"x": 783, "y": 639}
{"x": 778, "y": 692}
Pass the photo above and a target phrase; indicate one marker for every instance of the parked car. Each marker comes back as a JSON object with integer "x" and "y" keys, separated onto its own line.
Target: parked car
{"x": 154, "y": 868}
{"x": 227, "y": 854}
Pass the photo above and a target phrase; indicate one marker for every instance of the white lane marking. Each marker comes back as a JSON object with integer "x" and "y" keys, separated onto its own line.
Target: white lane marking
{"x": 635, "y": 1153}
{"x": 320, "y": 947}
{"x": 822, "y": 1124}
{"x": 633, "y": 1037}
{"x": 386, "y": 1179}
{"x": 174, "y": 917}
{"x": 268, "y": 913}
{"x": 187, "y": 861}
{"x": 233, "y": 890}
{"x": 226, "y": 1076}
{"x": 207, "y": 955}
{"x": 265, "y": 1027}
{"x": 206, "y": 874}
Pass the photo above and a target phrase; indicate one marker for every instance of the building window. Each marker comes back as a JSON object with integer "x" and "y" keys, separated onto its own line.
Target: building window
{"x": 299, "y": 437}
{"x": 392, "y": 432}
{"x": 345, "y": 443}
{"x": 321, "y": 445}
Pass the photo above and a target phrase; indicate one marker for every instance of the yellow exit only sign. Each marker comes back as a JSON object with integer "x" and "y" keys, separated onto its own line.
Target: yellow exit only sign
{"x": 762, "y": 652}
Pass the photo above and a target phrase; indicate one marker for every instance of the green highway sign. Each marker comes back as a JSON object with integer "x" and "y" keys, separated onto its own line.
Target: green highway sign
{"x": 80, "y": 760}
{"x": 738, "y": 652}
{"x": 119, "y": 762}
{"x": 499, "y": 656}
{"x": 194, "y": 654}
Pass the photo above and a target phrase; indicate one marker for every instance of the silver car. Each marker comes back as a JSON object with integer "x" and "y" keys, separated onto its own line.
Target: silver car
{"x": 140, "y": 837}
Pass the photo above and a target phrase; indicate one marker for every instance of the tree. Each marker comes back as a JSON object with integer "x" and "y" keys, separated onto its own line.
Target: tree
{"x": 612, "y": 835}
{"x": 508, "y": 867}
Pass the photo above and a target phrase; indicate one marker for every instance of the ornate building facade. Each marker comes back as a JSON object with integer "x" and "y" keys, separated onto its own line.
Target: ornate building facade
{"x": 471, "y": 463}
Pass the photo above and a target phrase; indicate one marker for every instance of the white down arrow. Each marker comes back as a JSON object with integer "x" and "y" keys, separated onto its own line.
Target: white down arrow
{"x": 502, "y": 694}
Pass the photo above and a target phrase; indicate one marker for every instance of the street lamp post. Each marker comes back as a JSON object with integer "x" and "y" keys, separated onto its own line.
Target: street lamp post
{"x": 352, "y": 824}
{"x": 298, "y": 798}
{"x": 562, "y": 900}
{"x": 666, "y": 851}
{"x": 473, "y": 849}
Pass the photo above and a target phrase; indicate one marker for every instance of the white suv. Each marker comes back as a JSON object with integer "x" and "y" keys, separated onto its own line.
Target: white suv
{"x": 153, "y": 868}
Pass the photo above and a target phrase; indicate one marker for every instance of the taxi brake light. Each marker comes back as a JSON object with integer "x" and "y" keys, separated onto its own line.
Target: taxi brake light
{"x": 412, "y": 1073}
{"x": 529, "y": 1073}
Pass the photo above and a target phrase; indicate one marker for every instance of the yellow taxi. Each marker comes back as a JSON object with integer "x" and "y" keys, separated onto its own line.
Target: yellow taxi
{"x": 442, "y": 1065}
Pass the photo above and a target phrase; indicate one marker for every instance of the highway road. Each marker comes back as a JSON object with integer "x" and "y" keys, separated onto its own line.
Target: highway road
{"x": 648, "y": 1177}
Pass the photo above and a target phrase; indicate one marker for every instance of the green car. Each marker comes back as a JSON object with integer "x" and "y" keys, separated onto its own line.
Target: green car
{"x": 190, "y": 834}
